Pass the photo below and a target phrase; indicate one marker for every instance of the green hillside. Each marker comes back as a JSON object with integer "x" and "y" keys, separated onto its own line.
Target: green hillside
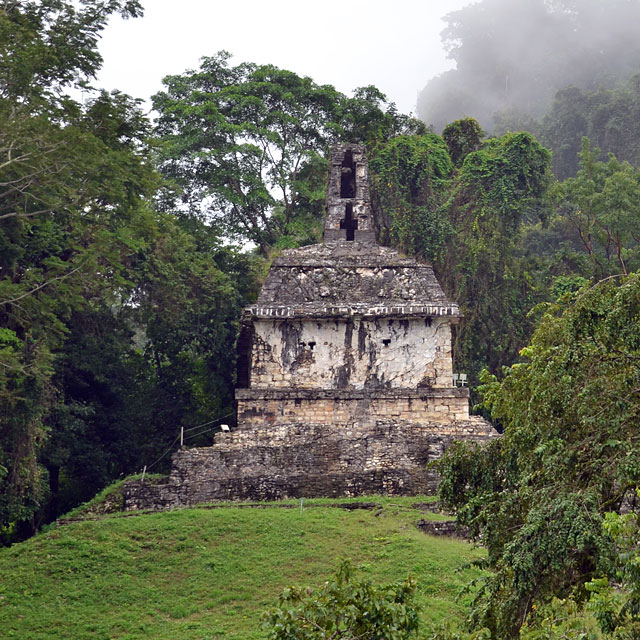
{"x": 209, "y": 573}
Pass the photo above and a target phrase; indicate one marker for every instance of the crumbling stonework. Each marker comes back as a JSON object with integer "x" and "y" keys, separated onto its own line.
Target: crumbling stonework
{"x": 443, "y": 528}
{"x": 345, "y": 373}
{"x": 295, "y": 459}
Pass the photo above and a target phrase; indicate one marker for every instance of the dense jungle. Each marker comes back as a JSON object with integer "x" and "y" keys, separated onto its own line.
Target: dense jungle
{"x": 129, "y": 245}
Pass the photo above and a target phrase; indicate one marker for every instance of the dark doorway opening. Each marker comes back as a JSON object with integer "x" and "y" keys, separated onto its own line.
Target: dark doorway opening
{"x": 243, "y": 363}
{"x": 348, "y": 176}
{"x": 348, "y": 222}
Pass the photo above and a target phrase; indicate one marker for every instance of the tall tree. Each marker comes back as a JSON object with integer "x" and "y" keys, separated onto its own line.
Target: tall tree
{"x": 410, "y": 176}
{"x": 608, "y": 117}
{"x": 601, "y": 205}
{"x": 570, "y": 453}
{"x": 245, "y": 145}
{"x": 237, "y": 139}
{"x": 130, "y": 375}
{"x": 497, "y": 189}
{"x": 72, "y": 187}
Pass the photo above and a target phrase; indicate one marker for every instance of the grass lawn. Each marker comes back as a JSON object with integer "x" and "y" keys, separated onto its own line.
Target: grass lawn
{"x": 208, "y": 573}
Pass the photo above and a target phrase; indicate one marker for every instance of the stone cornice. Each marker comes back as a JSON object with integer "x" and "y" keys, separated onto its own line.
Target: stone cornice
{"x": 292, "y": 393}
{"x": 314, "y": 310}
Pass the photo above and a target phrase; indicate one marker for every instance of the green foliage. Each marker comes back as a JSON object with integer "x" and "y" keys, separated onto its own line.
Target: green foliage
{"x": 601, "y": 205}
{"x": 236, "y": 139}
{"x": 561, "y": 619}
{"x": 47, "y": 47}
{"x": 506, "y": 176}
{"x": 130, "y": 375}
{"x": 495, "y": 192}
{"x": 363, "y": 118}
{"x": 117, "y": 323}
{"x": 244, "y": 146}
{"x": 537, "y": 498}
{"x": 344, "y": 608}
{"x": 462, "y": 137}
{"x": 608, "y": 117}
{"x": 615, "y": 601}
{"x": 410, "y": 175}
{"x": 73, "y": 184}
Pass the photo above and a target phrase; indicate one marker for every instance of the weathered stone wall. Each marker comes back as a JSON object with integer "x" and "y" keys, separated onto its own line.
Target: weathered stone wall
{"x": 348, "y": 187}
{"x": 345, "y": 364}
{"x": 376, "y": 282}
{"x": 443, "y": 528}
{"x": 353, "y": 353}
{"x": 256, "y": 406}
{"x": 293, "y": 460}
{"x": 350, "y": 274}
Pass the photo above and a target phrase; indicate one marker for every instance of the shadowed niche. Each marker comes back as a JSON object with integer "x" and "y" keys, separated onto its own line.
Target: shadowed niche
{"x": 348, "y": 222}
{"x": 348, "y": 176}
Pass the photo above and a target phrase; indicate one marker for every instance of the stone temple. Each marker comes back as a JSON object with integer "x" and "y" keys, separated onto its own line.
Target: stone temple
{"x": 345, "y": 382}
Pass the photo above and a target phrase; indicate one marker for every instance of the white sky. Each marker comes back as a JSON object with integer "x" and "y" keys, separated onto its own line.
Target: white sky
{"x": 392, "y": 44}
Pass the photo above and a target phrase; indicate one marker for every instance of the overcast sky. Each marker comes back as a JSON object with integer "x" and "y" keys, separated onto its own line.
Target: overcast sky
{"x": 392, "y": 44}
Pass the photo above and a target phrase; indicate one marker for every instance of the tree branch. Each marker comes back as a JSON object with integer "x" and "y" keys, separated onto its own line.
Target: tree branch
{"x": 41, "y": 286}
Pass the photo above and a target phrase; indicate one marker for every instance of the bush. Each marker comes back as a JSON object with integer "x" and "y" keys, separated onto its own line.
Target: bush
{"x": 344, "y": 608}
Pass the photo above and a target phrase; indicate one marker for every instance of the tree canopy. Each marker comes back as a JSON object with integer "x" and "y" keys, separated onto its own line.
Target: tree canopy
{"x": 244, "y": 146}
{"x": 537, "y": 498}
{"x": 117, "y": 322}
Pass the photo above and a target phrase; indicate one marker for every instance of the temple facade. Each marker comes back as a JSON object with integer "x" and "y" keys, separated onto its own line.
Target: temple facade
{"x": 348, "y": 330}
{"x": 345, "y": 381}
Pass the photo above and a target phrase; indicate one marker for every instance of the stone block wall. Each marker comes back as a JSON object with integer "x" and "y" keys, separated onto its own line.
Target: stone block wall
{"x": 257, "y": 406}
{"x": 348, "y": 199}
{"x": 295, "y": 460}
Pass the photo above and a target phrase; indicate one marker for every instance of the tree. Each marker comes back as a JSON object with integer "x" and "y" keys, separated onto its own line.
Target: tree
{"x": 601, "y": 205}
{"x": 410, "y": 176}
{"x": 462, "y": 137}
{"x": 48, "y": 46}
{"x": 245, "y": 146}
{"x": 236, "y": 140}
{"x": 80, "y": 219}
{"x": 537, "y": 497}
{"x": 344, "y": 609}
{"x": 72, "y": 186}
{"x": 128, "y": 376}
{"x": 563, "y": 129}
{"x": 615, "y": 599}
{"x": 608, "y": 117}
{"x": 495, "y": 192}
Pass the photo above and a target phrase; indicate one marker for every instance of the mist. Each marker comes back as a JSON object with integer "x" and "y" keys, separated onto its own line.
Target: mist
{"x": 513, "y": 56}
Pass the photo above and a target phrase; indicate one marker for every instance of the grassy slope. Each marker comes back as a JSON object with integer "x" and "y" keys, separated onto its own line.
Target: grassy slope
{"x": 197, "y": 573}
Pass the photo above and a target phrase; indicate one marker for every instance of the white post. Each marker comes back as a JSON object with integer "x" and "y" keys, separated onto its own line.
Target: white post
{"x": 144, "y": 471}
{"x": 181, "y": 436}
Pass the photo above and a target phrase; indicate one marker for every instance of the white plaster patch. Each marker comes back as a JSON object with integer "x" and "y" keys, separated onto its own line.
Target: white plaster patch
{"x": 359, "y": 354}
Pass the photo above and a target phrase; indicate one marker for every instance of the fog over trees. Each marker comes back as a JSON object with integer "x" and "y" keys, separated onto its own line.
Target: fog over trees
{"x": 513, "y": 56}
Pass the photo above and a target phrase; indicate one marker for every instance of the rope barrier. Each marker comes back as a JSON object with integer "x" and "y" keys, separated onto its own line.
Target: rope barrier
{"x": 164, "y": 454}
{"x": 204, "y": 424}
